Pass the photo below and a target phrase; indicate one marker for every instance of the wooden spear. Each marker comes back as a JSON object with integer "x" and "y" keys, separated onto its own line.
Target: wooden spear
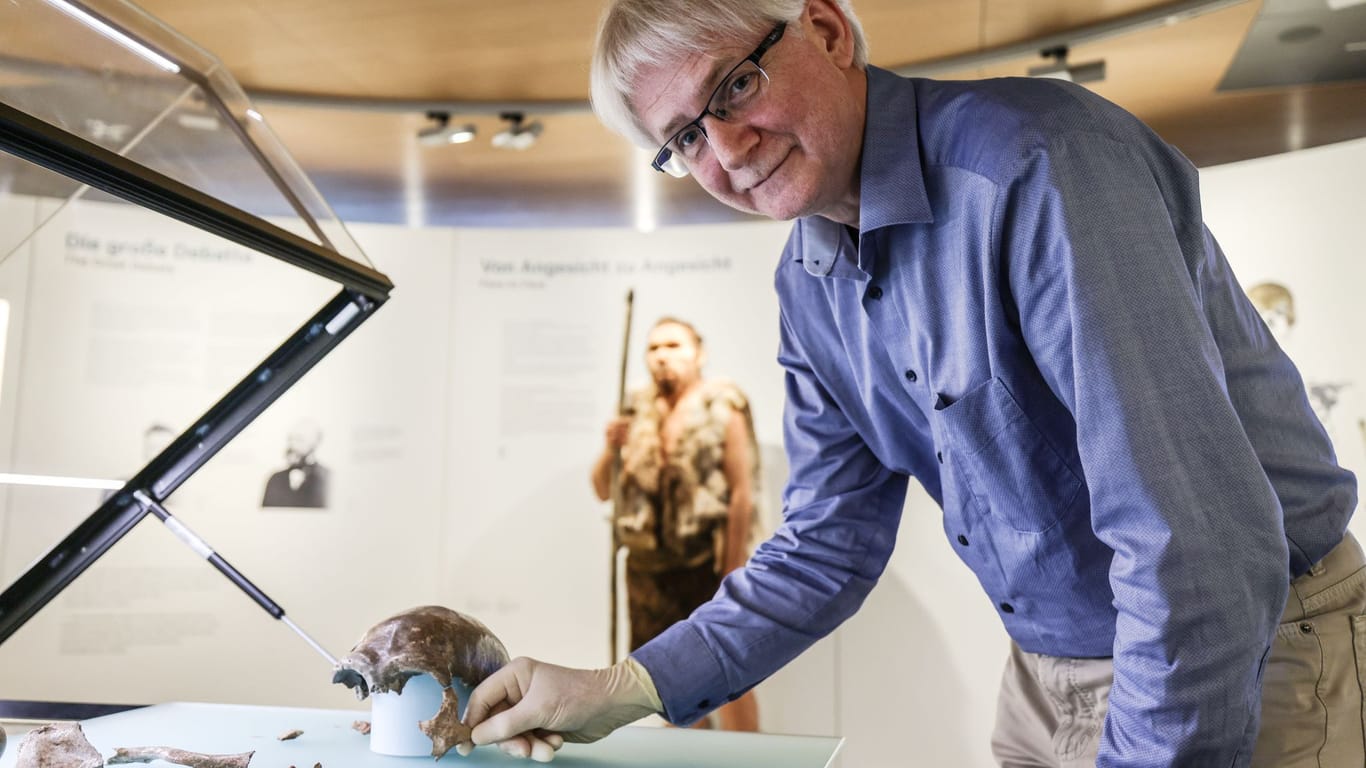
{"x": 617, "y": 511}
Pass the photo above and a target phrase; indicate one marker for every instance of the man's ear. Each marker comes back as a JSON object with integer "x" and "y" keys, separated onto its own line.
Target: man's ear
{"x": 826, "y": 23}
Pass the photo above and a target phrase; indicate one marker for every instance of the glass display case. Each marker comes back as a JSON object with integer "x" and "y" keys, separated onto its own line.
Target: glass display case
{"x": 166, "y": 273}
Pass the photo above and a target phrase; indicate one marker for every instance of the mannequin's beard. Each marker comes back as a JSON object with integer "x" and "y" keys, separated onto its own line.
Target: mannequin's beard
{"x": 670, "y": 382}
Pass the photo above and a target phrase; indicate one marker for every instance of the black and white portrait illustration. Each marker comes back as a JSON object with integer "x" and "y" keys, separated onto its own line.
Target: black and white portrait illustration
{"x": 302, "y": 482}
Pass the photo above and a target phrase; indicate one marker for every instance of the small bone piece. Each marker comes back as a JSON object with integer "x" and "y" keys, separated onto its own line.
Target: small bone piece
{"x": 289, "y": 735}
{"x": 428, "y": 640}
{"x": 124, "y": 755}
{"x": 362, "y": 727}
{"x": 59, "y": 745}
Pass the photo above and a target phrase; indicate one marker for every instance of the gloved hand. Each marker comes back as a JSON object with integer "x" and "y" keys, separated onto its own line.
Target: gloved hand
{"x": 530, "y": 708}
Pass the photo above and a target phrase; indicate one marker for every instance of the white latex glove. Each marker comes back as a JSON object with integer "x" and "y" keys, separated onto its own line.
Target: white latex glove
{"x": 530, "y": 708}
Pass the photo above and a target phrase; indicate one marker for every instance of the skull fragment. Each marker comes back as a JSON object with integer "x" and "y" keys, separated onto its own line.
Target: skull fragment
{"x": 428, "y": 640}
{"x": 59, "y": 744}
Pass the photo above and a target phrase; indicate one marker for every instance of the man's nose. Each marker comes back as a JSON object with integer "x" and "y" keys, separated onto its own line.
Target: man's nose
{"x": 731, "y": 142}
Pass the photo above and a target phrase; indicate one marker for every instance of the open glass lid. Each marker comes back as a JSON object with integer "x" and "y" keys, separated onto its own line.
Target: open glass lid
{"x": 166, "y": 273}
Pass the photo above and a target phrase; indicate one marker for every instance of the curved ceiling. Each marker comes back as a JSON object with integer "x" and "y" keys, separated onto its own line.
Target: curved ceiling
{"x": 357, "y": 55}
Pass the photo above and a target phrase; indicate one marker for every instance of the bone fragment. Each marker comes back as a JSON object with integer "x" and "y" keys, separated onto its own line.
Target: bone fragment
{"x": 124, "y": 755}
{"x": 59, "y": 745}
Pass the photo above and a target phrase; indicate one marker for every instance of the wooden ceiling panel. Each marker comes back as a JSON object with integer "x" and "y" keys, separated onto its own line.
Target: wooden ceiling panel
{"x": 900, "y": 32}
{"x": 248, "y": 43}
{"x": 414, "y": 49}
{"x": 35, "y": 37}
{"x": 530, "y": 50}
{"x": 1238, "y": 126}
{"x": 1168, "y": 77}
{"x": 1158, "y": 69}
{"x": 1013, "y": 21}
{"x": 1167, "y": 70}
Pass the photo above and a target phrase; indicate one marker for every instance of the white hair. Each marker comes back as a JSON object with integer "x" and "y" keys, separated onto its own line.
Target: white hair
{"x": 634, "y": 35}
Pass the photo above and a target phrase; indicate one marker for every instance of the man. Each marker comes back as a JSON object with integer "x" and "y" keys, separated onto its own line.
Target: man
{"x": 1004, "y": 289}
{"x": 303, "y": 482}
{"x": 685, "y": 508}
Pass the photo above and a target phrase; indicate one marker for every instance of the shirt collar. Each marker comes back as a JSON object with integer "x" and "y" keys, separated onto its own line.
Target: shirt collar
{"x": 891, "y": 180}
{"x": 829, "y": 251}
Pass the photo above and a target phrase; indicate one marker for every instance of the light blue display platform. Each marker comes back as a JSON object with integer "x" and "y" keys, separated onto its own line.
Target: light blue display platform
{"x": 329, "y": 739}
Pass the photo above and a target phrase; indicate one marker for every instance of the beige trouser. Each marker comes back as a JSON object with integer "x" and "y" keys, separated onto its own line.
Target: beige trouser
{"x": 1052, "y": 710}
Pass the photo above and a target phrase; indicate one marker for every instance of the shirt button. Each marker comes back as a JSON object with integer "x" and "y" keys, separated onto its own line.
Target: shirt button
{"x": 939, "y": 455}
{"x": 1306, "y": 628}
{"x": 1007, "y": 607}
{"x": 703, "y": 704}
{"x": 962, "y": 539}
{"x": 875, "y": 292}
{"x": 910, "y": 375}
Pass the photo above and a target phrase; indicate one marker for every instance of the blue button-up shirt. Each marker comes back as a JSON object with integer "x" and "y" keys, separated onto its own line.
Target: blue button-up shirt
{"x": 1033, "y": 321}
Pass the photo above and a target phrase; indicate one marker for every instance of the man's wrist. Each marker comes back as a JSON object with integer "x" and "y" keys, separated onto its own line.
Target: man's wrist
{"x": 646, "y": 684}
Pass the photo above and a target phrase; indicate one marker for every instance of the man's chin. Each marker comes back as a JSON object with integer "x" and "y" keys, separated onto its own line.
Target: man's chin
{"x": 783, "y": 201}
{"x": 783, "y": 210}
{"x": 738, "y": 205}
{"x": 785, "y": 214}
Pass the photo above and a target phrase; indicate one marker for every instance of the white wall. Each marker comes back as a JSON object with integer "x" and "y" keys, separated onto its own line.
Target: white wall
{"x": 464, "y": 418}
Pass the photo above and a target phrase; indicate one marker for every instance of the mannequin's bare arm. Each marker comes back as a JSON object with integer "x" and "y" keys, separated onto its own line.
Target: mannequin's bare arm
{"x": 602, "y": 475}
{"x": 738, "y": 464}
{"x": 602, "y": 468}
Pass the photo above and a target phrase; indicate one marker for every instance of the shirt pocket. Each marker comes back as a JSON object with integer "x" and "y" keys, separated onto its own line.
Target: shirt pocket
{"x": 1002, "y": 461}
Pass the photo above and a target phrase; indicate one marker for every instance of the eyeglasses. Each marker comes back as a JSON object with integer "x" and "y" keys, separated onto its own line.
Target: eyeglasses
{"x": 737, "y": 92}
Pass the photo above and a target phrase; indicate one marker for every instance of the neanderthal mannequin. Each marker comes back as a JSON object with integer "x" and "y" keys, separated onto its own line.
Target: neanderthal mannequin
{"x": 684, "y": 496}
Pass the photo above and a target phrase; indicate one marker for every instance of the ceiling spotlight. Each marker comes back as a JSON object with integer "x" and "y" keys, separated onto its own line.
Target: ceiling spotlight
{"x": 519, "y": 134}
{"x": 1058, "y": 67}
{"x": 441, "y": 132}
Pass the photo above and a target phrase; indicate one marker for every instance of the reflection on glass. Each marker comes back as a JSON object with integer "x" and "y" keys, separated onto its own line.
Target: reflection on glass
{"x": 143, "y": 321}
{"x": 116, "y": 35}
{"x": 125, "y": 82}
{"x": 155, "y": 314}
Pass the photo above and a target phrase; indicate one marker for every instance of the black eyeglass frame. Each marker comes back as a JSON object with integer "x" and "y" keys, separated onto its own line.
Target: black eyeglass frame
{"x": 664, "y": 154}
